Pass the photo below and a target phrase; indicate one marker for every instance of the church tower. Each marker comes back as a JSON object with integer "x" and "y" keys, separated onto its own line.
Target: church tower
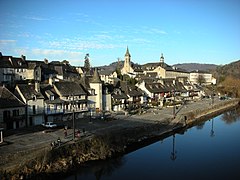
{"x": 162, "y": 60}
{"x": 127, "y": 63}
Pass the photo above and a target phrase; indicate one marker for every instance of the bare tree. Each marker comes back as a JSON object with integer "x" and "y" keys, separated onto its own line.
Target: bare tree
{"x": 201, "y": 79}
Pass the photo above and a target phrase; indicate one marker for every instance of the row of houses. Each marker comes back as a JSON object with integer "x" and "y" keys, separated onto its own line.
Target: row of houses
{"x": 33, "y": 92}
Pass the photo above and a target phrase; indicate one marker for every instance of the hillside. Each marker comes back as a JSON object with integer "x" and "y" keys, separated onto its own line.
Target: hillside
{"x": 232, "y": 69}
{"x": 187, "y": 66}
{"x": 196, "y": 66}
{"x": 228, "y": 79}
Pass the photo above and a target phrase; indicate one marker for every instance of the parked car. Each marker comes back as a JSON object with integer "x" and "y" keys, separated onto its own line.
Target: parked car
{"x": 49, "y": 125}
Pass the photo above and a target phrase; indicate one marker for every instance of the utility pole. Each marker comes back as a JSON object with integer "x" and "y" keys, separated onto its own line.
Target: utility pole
{"x": 212, "y": 94}
{"x": 173, "y": 104}
{"x": 73, "y": 117}
{"x": 173, "y": 153}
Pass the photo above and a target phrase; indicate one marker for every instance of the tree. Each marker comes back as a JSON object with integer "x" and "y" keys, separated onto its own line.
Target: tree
{"x": 201, "y": 79}
{"x": 87, "y": 63}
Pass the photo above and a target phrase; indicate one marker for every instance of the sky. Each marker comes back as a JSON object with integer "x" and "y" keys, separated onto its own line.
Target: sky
{"x": 206, "y": 31}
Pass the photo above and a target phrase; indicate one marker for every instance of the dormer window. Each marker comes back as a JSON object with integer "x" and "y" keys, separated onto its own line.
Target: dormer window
{"x": 19, "y": 63}
{"x": 51, "y": 97}
{"x": 34, "y": 98}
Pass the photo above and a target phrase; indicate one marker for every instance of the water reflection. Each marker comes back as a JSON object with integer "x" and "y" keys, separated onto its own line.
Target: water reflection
{"x": 102, "y": 168}
{"x": 212, "y": 131}
{"x": 194, "y": 148}
{"x": 232, "y": 116}
{"x": 173, "y": 153}
{"x": 200, "y": 125}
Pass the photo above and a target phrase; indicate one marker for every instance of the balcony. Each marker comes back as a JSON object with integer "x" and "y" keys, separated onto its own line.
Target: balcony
{"x": 78, "y": 110}
{"x": 53, "y": 111}
{"x": 14, "y": 118}
{"x": 35, "y": 112}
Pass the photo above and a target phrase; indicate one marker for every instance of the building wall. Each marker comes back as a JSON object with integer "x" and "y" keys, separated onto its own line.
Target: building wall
{"x": 20, "y": 117}
{"x": 98, "y": 92}
{"x": 107, "y": 102}
{"x": 194, "y": 77}
{"x": 161, "y": 72}
{"x": 174, "y": 74}
{"x": 37, "y": 113}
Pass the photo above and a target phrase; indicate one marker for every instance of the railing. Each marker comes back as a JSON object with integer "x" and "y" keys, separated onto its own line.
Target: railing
{"x": 53, "y": 111}
{"x": 76, "y": 110}
{"x": 16, "y": 117}
{"x": 36, "y": 112}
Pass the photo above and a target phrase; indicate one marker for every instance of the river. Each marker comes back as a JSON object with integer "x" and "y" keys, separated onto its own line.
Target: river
{"x": 209, "y": 150}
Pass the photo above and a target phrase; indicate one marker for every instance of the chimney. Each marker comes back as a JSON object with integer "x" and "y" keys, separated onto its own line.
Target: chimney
{"x": 23, "y": 57}
{"x": 50, "y": 80}
{"x": 37, "y": 86}
{"x": 45, "y": 61}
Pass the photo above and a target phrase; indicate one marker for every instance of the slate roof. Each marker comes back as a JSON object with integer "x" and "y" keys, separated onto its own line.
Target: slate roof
{"x": 8, "y": 99}
{"x": 155, "y": 87}
{"x": 106, "y": 72}
{"x": 47, "y": 90}
{"x": 19, "y": 62}
{"x": 130, "y": 90}
{"x": 4, "y": 62}
{"x": 29, "y": 90}
{"x": 155, "y": 65}
{"x": 67, "y": 88}
{"x": 119, "y": 96}
{"x": 180, "y": 87}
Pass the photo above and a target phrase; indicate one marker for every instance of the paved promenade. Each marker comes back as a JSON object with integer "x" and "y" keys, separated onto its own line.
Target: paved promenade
{"x": 37, "y": 138}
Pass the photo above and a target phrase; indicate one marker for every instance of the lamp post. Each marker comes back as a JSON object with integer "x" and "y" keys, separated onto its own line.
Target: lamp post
{"x": 212, "y": 94}
{"x": 212, "y": 131}
{"x": 174, "y": 114}
{"x": 90, "y": 119}
{"x": 73, "y": 118}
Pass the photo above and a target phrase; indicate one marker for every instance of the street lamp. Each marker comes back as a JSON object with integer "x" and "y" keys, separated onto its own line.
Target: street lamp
{"x": 212, "y": 94}
{"x": 73, "y": 118}
{"x": 90, "y": 119}
{"x": 174, "y": 114}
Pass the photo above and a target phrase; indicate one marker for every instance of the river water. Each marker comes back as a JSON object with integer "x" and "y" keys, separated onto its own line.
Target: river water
{"x": 210, "y": 150}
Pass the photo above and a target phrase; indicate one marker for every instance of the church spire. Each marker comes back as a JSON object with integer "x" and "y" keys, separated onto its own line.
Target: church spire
{"x": 96, "y": 78}
{"x": 127, "y": 53}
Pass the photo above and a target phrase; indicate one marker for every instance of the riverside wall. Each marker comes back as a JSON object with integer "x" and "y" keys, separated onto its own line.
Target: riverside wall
{"x": 48, "y": 162}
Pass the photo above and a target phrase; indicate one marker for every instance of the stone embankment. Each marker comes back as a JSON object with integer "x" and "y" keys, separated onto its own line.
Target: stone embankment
{"x": 107, "y": 143}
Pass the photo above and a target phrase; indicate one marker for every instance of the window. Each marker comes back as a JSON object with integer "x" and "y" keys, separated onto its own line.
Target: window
{"x": 6, "y": 115}
{"x": 51, "y": 97}
{"x": 34, "y": 109}
{"x": 15, "y": 112}
{"x": 34, "y": 98}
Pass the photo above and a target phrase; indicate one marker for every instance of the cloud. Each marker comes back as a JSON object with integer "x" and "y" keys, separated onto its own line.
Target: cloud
{"x": 7, "y": 41}
{"x": 36, "y": 18}
{"x": 156, "y": 31}
{"x": 55, "y": 53}
{"x": 79, "y": 44}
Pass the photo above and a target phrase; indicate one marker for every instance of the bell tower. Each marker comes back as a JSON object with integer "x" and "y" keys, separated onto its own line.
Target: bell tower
{"x": 127, "y": 61}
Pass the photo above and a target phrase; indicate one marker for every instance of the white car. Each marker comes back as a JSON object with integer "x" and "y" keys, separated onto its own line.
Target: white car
{"x": 50, "y": 125}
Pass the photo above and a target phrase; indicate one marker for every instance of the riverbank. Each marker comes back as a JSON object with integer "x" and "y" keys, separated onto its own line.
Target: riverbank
{"x": 107, "y": 139}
